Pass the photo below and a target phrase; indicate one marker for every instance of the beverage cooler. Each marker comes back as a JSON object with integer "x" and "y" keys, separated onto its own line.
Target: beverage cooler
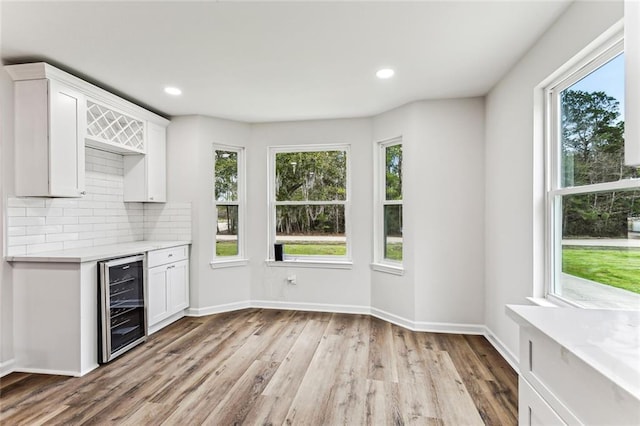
{"x": 122, "y": 318}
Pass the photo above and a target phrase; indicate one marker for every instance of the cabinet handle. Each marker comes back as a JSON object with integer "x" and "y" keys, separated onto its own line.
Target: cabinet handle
{"x": 83, "y": 192}
{"x": 171, "y": 267}
{"x": 170, "y": 254}
{"x": 151, "y": 198}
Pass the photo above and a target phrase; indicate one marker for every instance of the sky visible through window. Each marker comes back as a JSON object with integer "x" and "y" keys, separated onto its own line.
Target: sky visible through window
{"x": 606, "y": 79}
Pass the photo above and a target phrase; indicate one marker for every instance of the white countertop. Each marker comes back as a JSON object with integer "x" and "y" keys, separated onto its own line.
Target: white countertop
{"x": 90, "y": 254}
{"x": 607, "y": 340}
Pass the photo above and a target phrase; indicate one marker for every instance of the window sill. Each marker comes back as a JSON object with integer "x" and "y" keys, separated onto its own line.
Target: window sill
{"x": 325, "y": 264}
{"x": 217, "y": 264}
{"x": 388, "y": 269}
{"x": 541, "y": 301}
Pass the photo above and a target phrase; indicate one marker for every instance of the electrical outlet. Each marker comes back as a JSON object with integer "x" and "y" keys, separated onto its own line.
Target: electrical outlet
{"x": 291, "y": 279}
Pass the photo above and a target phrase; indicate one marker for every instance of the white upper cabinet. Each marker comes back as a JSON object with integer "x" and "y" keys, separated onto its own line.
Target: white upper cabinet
{"x": 145, "y": 175}
{"x": 56, "y": 114}
{"x": 49, "y": 149}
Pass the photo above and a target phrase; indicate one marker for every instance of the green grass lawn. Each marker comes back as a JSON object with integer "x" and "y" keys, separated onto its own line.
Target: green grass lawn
{"x": 226, "y": 248}
{"x": 394, "y": 251}
{"x": 614, "y": 267}
{"x": 302, "y": 248}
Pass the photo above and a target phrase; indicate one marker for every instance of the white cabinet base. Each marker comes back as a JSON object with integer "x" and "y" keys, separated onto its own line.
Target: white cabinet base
{"x": 55, "y": 314}
{"x": 167, "y": 286}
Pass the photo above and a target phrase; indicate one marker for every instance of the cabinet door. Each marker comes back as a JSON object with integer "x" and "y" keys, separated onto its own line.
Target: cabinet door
{"x": 157, "y": 294}
{"x": 145, "y": 175}
{"x": 66, "y": 141}
{"x": 156, "y": 162}
{"x": 178, "y": 286}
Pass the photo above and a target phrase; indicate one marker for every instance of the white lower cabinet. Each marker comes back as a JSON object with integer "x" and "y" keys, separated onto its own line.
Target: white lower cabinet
{"x": 167, "y": 286}
{"x": 533, "y": 410}
{"x": 577, "y": 366}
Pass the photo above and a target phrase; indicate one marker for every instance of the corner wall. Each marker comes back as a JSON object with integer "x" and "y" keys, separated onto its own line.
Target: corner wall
{"x": 443, "y": 149}
{"x": 190, "y": 142}
{"x": 514, "y": 205}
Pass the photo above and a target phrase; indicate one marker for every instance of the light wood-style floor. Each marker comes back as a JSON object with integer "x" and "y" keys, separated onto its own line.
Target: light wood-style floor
{"x": 273, "y": 367}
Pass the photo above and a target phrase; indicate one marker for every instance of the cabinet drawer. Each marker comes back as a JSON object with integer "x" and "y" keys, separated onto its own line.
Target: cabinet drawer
{"x": 576, "y": 391}
{"x": 532, "y": 409}
{"x": 168, "y": 255}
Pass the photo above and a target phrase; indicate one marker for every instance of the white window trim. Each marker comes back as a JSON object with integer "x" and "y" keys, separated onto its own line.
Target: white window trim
{"x": 379, "y": 263}
{"x": 340, "y": 262}
{"x": 590, "y": 60}
{"x": 240, "y": 259}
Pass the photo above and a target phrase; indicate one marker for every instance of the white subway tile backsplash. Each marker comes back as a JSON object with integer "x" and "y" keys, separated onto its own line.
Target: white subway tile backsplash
{"x": 25, "y": 221}
{"x": 91, "y": 219}
{"x": 105, "y": 226}
{"x": 25, "y": 202}
{"x": 78, "y": 228}
{"x": 61, "y": 202}
{"x": 25, "y": 240}
{"x": 78, "y": 212}
{"x": 101, "y": 217}
{"x": 47, "y": 229}
{"x": 61, "y": 220}
{"x": 16, "y": 211}
{"x": 16, "y": 231}
{"x": 44, "y": 211}
{"x": 69, "y": 236}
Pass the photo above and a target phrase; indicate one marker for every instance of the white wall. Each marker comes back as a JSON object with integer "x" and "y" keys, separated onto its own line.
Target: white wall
{"x": 348, "y": 287}
{"x": 443, "y": 143}
{"x": 513, "y": 179}
{"x": 189, "y": 180}
{"x": 445, "y": 190}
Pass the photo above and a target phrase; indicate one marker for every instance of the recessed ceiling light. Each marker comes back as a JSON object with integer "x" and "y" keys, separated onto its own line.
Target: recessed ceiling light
{"x": 173, "y": 91}
{"x": 385, "y": 73}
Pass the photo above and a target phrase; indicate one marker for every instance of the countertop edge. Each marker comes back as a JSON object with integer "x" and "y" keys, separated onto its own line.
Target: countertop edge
{"x": 92, "y": 254}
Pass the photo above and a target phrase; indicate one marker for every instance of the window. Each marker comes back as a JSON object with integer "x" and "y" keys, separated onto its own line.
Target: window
{"x": 388, "y": 215}
{"x": 310, "y": 202}
{"x": 593, "y": 198}
{"x": 228, "y": 199}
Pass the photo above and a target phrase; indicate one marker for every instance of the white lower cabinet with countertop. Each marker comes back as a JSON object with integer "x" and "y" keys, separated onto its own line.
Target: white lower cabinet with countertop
{"x": 56, "y": 302}
{"x": 578, "y": 366}
{"x": 167, "y": 286}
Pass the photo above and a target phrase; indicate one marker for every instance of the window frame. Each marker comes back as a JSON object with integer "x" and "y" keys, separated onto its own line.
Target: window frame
{"x": 380, "y": 263}
{"x": 308, "y": 260}
{"x": 239, "y": 259}
{"x": 553, "y": 189}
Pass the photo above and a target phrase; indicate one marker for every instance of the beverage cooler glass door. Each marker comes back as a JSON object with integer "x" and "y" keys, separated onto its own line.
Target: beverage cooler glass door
{"x": 122, "y": 306}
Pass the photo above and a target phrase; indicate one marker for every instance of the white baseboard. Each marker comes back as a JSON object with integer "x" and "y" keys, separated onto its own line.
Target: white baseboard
{"x": 502, "y": 349}
{"x": 53, "y": 372}
{"x": 452, "y": 328}
{"x": 218, "y": 309}
{"x": 315, "y": 307}
{"x": 392, "y": 318}
{"x": 7, "y": 367}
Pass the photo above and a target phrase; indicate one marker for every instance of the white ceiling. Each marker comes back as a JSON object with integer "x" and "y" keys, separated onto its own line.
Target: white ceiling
{"x": 268, "y": 61}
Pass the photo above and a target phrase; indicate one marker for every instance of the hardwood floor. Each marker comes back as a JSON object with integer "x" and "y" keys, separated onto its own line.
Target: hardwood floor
{"x": 273, "y": 367}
